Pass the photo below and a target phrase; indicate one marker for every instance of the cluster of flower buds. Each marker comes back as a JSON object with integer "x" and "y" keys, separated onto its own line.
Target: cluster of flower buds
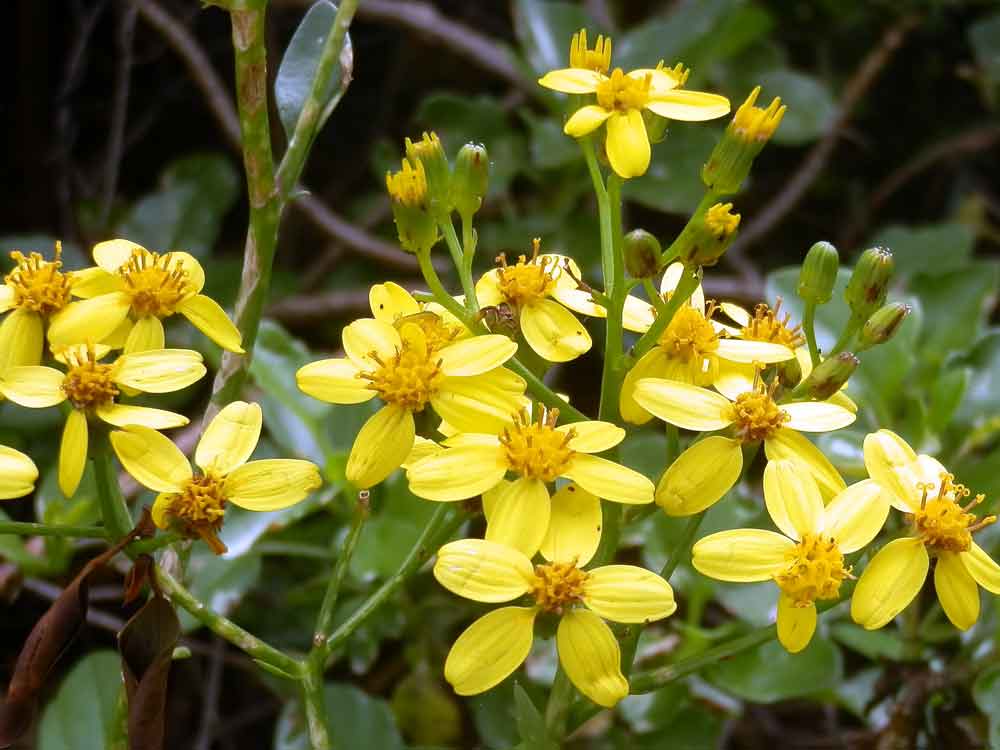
{"x": 750, "y": 129}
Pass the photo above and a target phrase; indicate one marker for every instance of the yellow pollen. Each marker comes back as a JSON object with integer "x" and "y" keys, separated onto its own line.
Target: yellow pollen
{"x": 537, "y": 450}
{"x": 581, "y": 56}
{"x": 409, "y": 379}
{"x": 755, "y": 415}
{"x": 88, "y": 383}
{"x": 622, "y": 93}
{"x": 557, "y": 586}
{"x": 943, "y": 524}
{"x": 38, "y": 284}
{"x": 409, "y": 185}
{"x": 530, "y": 279}
{"x": 815, "y": 570}
{"x": 156, "y": 283}
{"x": 200, "y": 508}
{"x": 721, "y": 221}
{"x": 752, "y": 123}
{"x": 768, "y": 326}
{"x": 690, "y": 337}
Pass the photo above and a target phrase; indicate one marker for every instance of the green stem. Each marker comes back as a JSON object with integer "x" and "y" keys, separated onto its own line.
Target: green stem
{"x": 24, "y": 528}
{"x": 546, "y": 395}
{"x": 685, "y": 288}
{"x": 912, "y": 646}
{"x": 470, "y": 240}
{"x": 114, "y": 510}
{"x": 846, "y": 337}
{"x": 809, "y": 328}
{"x": 314, "y": 702}
{"x": 557, "y": 709}
{"x": 458, "y": 257}
{"x": 614, "y": 370}
{"x": 655, "y": 298}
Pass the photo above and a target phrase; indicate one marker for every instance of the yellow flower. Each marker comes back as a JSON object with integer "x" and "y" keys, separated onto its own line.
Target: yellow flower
{"x": 581, "y": 56}
{"x": 415, "y": 360}
{"x": 534, "y": 287}
{"x": 91, "y": 389}
{"x": 621, "y": 98}
{"x": 942, "y": 528}
{"x": 498, "y": 642}
{"x": 17, "y": 473}
{"x": 197, "y": 502}
{"x": 33, "y": 292}
{"x": 392, "y": 304}
{"x": 129, "y": 279}
{"x": 692, "y": 349}
{"x": 538, "y": 453}
{"x": 807, "y": 563}
{"x": 706, "y": 471}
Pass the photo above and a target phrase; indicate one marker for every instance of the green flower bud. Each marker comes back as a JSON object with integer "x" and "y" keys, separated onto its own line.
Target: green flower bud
{"x": 819, "y": 273}
{"x": 869, "y": 284}
{"x": 829, "y": 376}
{"x": 750, "y": 129}
{"x": 789, "y": 372}
{"x": 883, "y": 324}
{"x": 642, "y": 254}
{"x": 706, "y": 237}
{"x": 469, "y": 182}
{"x": 429, "y": 152}
{"x": 417, "y": 228}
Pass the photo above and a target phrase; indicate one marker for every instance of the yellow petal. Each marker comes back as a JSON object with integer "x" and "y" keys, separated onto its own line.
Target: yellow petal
{"x": 575, "y": 522}
{"x": 35, "y": 387}
{"x": 652, "y": 364}
{"x": 488, "y": 289}
{"x": 553, "y": 331}
{"x": 457, "y": 473}
{"x": 579, "y": 300}
{"x": 151, "y": 458}
{"x": 796, "y": 625}
{"x": 738, "y": 314}
{"x": 93, "y": 282}
{"x": 483, "y": 571}
{"x": 789, "y": 444}
{"x": 691, "y": 106}
{"x": 586, "y": 120}
{"x": 117, "y": 338}
{"x": 272, "y": 484}
{"x": 627, "y": 144}
{"x": 890, "y": 581}
{"x": 125, "y": 415}
{"x": 471, "y": 404}
{"x": 741, "y": 555}
{"x": 17, "y": 473}
{"x": 362, "y": 337}
{"x": 335, "y": 381}
{"x": 748, "y": 352}
{"x": 626, "y": 593}
{"x": 887, "y": 459}
{"x": 161, "y": 510}
{"x": 112, "y": 254}
{"x": 672, "y": 277}
{"x": 519, "y": 517}
{"x": 684, "y": 405}
{"x": 381, "y": 446}
{"x": 983, "y": 568}
{"x": 208, "y": 317}
{"x": 817, "y": 416}
{"x": 230, "y": 438}
{"x": 145, "y": 335}
{"x": 589, "y": 653}
{"x": 856, "y": 515}
{"x": 609, "y": 480}
{"x": 160, "y": 370}
{"x": 91, "y": 320}
{"x": 660, "y": 79}
{"x": 6, "y": 298}
{"x": 956, "y": 590}
{"x": 592, "y": 437}
{"x": 21, "y": 339}
{"x": 734, "y": 378}
{"x": 390, "y": 301}
{"x": 793, "y": 499}
{"x": 700, "y": 476}
{"x": 190, "y": 265}
{"x": 637, "y": 315}
{"x": 73, "y": 452}
{"x": 572, "y": 80}
{"x": 476, "y": 355}
{"x": 490, "y": 649}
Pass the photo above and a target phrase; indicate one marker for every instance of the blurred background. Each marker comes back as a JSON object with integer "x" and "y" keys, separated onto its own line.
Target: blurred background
{"x": 119, "y": 121}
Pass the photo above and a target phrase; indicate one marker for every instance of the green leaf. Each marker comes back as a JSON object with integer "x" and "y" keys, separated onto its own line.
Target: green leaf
{"x": 298, "y": 68}
{"x": 673, "y": 181}
{"x": 530, "y": 722}
{"x": 874, "y": 644}
{"x": 944, "y": 247}
{"x": 986, "y": 693}
{"x": 356, "y": 720}
{"x": 982, "y": 396}
{"x": 81, "y": 714}
{"x": 550, "y": 146}
{"x": 545, "y": 29}
{"x": 811, "y": 106}
{"x": 219, "y": 582}
{"x": 957, "y": 302}
{"x": 947, "y": 394}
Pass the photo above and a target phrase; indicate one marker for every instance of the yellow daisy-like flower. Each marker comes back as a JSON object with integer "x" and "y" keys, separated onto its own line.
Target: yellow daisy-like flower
{"x": 91, "y": 388}
{"x": 196, "y": 503}
{"x": 540, "y": 289}
{"x": 497, "y": 643}
{"x": 693, "y": 348}
{"x": 132, "y": 289}
{"x": 18, "y": 474}
{"x": 537, "y": 452}
{"x": 621, "y": 98}
{"x": 707, "y": 470}
{"x": 35, "y": 291}
{"x": 942, "y": 528}
{"x": 806, "y": 560}
{"x": 392, "y": 304}
{"x": 415, "y": 361}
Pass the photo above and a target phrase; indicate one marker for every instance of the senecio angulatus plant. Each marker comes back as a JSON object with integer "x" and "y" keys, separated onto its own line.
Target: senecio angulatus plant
{"x": 532, "y": 497}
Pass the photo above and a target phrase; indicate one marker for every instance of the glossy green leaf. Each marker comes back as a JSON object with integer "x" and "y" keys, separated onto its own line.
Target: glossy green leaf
{"x": 80, "y": 715}
{"x": 356, "y": 720}
{"x": 769, "y": 674}
{"x": 811, "y": 106}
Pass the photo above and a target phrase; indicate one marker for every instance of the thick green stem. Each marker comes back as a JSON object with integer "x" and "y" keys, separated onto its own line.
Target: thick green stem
{"x": 655, "y": 298}
{"x": 458, "y": 258}
{"x": 809, "y": 328}
{"x": 846, "y": 337}
{"x": 614, "y": 369}
{"x": 314, "y": 703}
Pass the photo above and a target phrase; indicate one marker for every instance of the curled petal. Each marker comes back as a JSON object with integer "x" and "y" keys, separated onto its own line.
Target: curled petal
{"x": 151, "y": 458}
{"x": 586, "y": 120}
{"x": 17, "y": 473}
{"x": 856, "y": 515}
{"x": 796, "y": 624}
{"x": 519, "y": 517}
{"x": 230, "y": 438}
{"x": 691, "y": 106}
{"x": 490, "y": 649}
{"x": 381, "y": 446}
{"x": 700, "y": 476}
{"x": 626, "y": 593}
{"x": 208, "y": 317}
{"x": 575, "y": 522}
{"x": 983, "y": 568}
{"x": 483, "y": 571}
{"x": 35, "y": 386}
{"x": 789, "y": 444}
{"x": 609, "y": 480}
{"x": 553, "y": 331}
{"x": 73, "y": 452}
{"x": 146, "y": 334}
{"x": 272, "y": 484}
{"x": 890, "y": 582}
{"x": 627, "y": 144}
{"x": 793, "y": 499}
{"x": 957, "y": 590}
{"x": 741, "y": 555}
{"x": 589, "y": 653}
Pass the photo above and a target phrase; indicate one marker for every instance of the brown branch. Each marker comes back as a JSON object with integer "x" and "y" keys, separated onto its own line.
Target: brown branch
{"x": 311, "y": 308}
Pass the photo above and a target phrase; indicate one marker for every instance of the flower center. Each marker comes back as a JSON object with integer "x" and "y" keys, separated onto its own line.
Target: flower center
{"x": 580, "y": 56}
{"x": 690, "y": 336}
{"x": 755, "y": 415}
{"x": 88, "y": 383}
{"x": 437, "y": 332}
{"x": 558, "y": 586}
{"x": 943, "y": 524}
{"x": 409, "y": 378}
{"x": 768, "y": 326}
{"x": 529, "y": 279}
{"x": 622, "y": 93}
{"x": 536, "y": 449}
{"x": 156, "y": 283}
{"x": 200, "y": 508}
{"x": 38, "y": 284}
{"x": 409, "y": 185}
{"x": 815, "y": 571}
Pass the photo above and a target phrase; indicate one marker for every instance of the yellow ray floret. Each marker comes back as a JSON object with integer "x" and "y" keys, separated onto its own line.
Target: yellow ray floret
{"x": 18, "y": 474}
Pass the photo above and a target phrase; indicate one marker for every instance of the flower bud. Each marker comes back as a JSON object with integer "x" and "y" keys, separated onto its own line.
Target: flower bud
{"x": 642, "y": 254}
{"x": 408, "y": 195}
{"x": 706, "y": 237}
{"x": 819, "y": 273}
{"x": 750, "y": 128}
{"x": 883, "y": 325}
{"x": 470, "y": 179}
{"x": 429, "y": 152}
{"x": 869, "y": 284}
{"x": 829, "y": 376}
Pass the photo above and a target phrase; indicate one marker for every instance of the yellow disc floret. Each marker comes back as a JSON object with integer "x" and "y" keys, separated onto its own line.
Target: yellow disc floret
{"x": 88, "y": 383}
{"x": 721, "y": 221}
{"x": 755, "y": 414}
{"x": 409, "y": 185}
{"x": 558, "y": 586}
{"x": 942, "y": 523}
{"x": 815, "y": 571}
{"x": 752, "y": 123}
{"x": 768, "y": 325}
{"x": 690, "y": 337}
{"x": 156, "y": 283}
{"x": 581, "y": 56}
{"x": 622, "y": 93}
{"x": 38, "y": 284}
{"x": 199, "y": 509}
{"x": 409, "y": 378}
{"x": 536, "y": 449}
{"x": 530, "y": 279}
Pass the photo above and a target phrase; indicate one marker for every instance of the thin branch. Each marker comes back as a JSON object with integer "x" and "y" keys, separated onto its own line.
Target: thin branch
{"x": 119, "y": 111}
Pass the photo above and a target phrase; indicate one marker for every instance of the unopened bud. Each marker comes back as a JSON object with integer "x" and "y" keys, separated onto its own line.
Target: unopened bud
{"x": 750, "y": 128}
{"x": 819, "y": 273}
{"x": 829, "y": 376}
{"x": 869, "y": 284}
{"x": 706, "y": 237}
{"x": 789, "y": 373}
{"x": 642, "y": 254}
{"x": 429, "y": 152}
{"x": 470, "y": 179}
{"x": 408, "y": 194}
{"x": 883, "y": 325}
